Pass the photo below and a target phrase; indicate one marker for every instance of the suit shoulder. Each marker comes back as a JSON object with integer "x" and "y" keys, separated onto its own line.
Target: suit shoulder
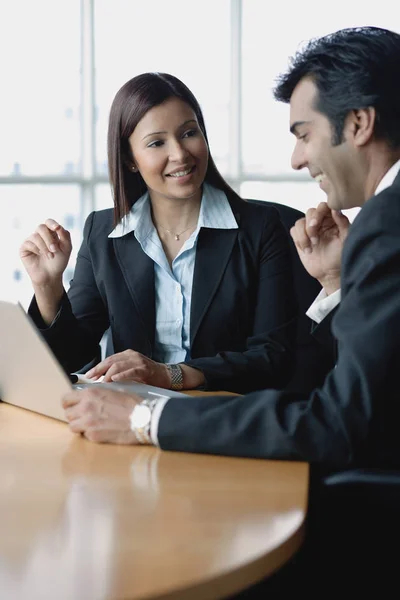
{"x": 100, "y": 222}
{"x": 272, "y": 213}
{"x": 379, "y": 212}
{"x": 376, "y": 228}
{"x": 256, "y": 212}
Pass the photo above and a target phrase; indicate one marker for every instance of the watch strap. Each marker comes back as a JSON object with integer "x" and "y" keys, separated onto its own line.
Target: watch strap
{"x": 176, "y": 375}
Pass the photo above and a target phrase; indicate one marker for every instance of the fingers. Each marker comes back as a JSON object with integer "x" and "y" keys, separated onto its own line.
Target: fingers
{"x": 102, "y": 368}
{"x": 315, "y": 218}
{"x": 42, "y": 246}
{"x": 322, "y": 211}
{"x": 113, "y": 370}
{"x": 48, "y": 238}
{"x": 307, "y": 232}
{"x": 27, "y": 248}
{"x": 86, "y": 414}
{"x": 71, "y": 399}
{"x": 300, "y": 236}
{"x": 89, "y": 397}
{"x": 52, "y": 225}
{"x": 60, "y": 234}
{"x": 123, "y": 370}
{"x": 100, "y": 414}
{"x": 84, "y": 408}
{"x": 128, "y": 375}
{"x": 341, "y": 221}
{"x": 45, "y": 238}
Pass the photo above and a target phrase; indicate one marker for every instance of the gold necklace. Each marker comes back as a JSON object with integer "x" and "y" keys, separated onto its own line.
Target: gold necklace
{"x": 176, "y": 235}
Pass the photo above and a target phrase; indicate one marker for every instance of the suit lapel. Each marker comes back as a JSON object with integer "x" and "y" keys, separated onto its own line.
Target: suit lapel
{"x": 214, "y": 247}
{"x": 138, "y": 271}
{"x": 396, "y": 182}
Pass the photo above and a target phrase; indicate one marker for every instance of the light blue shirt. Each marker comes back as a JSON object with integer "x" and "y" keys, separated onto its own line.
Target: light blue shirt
{"x": 173, "y": 285}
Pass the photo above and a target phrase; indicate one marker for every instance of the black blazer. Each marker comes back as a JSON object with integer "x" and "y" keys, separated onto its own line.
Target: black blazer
{"x": 353, "y": 419}
{"x": 243, "y": 308}
{"x": 316, "y": 350}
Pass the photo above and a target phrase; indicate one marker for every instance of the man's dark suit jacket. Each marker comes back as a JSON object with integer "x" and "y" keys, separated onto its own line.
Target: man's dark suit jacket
{"x": 353, "y": 418}
{"x": 243, "y": 307}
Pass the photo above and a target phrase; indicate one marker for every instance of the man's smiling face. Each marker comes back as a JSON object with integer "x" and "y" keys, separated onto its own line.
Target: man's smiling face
{"x": 334, "y": 167}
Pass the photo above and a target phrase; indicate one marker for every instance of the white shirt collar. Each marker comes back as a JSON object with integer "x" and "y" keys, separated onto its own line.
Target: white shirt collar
{"x": 215, "y": 213}
{"x": 388, "y": 178}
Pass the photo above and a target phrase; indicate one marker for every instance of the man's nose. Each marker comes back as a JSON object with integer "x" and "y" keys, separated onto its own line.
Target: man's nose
{"x": 298, "y": 158}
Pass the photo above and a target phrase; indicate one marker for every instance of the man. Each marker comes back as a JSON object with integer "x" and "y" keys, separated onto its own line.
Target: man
{"x": 345, "y": 114}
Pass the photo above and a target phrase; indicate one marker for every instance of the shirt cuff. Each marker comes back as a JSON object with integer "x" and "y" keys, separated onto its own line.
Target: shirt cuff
{"x": 323, "y": 305}
{"x": 155, "y": 419}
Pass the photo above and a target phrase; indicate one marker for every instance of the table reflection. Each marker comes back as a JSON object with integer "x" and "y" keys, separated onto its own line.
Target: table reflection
{"x": 88, "y": 521}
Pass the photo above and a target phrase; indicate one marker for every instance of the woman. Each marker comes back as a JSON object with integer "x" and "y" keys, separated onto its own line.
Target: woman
{"x": 194, "y": 282}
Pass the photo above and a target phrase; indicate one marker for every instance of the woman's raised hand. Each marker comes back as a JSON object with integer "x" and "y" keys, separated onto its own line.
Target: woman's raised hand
{"x": 45, "y": 253}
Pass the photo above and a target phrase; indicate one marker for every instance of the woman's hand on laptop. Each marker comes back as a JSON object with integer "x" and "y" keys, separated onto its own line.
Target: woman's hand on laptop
{"x": 45, "y": 253}
{"x": 131, "y": 366}
{"x": 101, "y": 415}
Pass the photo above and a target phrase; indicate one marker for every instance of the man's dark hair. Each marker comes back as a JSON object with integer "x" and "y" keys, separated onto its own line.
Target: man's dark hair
{"x": 352, "y": 69}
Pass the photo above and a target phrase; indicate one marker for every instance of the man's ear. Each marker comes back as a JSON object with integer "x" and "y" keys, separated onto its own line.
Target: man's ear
{"x": 361, "y": 125}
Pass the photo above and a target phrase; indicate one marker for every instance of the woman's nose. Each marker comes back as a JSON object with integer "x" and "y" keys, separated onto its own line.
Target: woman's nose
{"x": 178, "y": 152}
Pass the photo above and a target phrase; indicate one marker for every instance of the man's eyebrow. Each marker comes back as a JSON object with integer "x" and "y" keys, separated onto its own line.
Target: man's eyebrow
{"x": 158, "y": 132}
{"x": 295, "y": 125}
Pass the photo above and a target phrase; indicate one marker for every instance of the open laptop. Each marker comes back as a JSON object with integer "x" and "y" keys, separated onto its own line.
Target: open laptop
{"x": 30, "y": 375}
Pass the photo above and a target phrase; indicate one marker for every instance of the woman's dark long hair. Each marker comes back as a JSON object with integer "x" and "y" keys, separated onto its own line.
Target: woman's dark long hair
{"x": 131, "y": 103}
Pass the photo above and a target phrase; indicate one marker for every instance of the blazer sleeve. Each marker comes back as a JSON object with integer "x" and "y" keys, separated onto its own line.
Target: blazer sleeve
{"x": 322, "y": 333}
{"x": 76, "y": 331}
{"x": 316, "y": 355}
{"x": 268, "y": 357}
{"x": 353, "y": 418}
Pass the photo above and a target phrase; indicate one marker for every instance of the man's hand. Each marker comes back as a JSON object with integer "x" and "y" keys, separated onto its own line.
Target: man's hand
{"x": 101, "y": 415}
{"x": 131, "y": 366}
{"x": 319, "y": 239}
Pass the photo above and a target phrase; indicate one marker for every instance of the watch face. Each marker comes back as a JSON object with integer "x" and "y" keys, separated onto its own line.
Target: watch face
{"x": 140, "y": 416}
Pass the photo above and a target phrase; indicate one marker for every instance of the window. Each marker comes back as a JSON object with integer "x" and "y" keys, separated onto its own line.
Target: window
{"x": 64, "y": 61}
{"x": 268, "y": 39}
{"x": 40, "y": 129}
{"x": 194, "y": 45}
{"x": 29, "y": 205}
{"x": 40, "y": 113}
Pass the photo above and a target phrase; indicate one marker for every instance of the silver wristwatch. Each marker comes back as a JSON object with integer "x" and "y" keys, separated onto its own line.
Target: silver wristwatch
{"x": 176, "y": 374}
{"x": 140, "y": 420}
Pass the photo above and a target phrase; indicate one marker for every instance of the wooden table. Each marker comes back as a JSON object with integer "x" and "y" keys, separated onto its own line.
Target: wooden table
{"x": 82, "y": 521}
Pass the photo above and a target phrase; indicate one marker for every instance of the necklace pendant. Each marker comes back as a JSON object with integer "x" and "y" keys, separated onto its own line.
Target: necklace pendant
{"x": 177, "y": 237}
